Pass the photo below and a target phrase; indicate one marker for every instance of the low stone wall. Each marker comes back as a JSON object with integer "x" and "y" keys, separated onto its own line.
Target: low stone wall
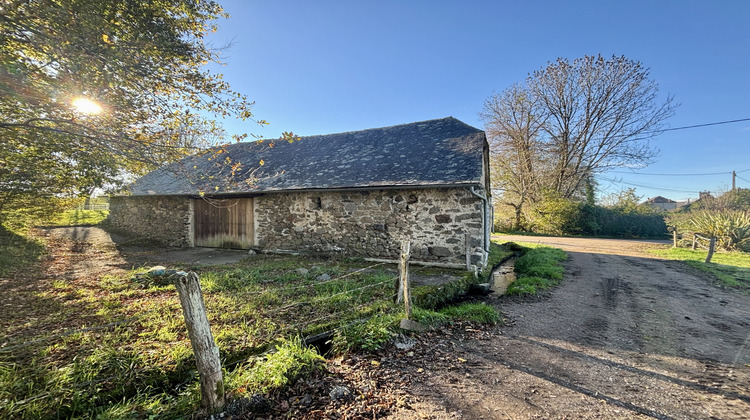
{"x": 372, "y": 223}
{"x": 165, "y": 219}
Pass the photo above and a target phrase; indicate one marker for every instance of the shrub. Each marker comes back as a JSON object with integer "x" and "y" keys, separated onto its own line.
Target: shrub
{"x": 730, "y": 227}
{"x": 555, "y": 215}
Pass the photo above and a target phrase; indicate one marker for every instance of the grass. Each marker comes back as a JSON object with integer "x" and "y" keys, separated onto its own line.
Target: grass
{"x": 731, "y": 269}
{"x": 77, "y": 217}
{"x": 377, "y": 331}
{"x": 290, "y": 360}
{"x": 18, "y": 251}
{"x": 138, "y": 357}
{"x": 539, "y": 268}
{"x": 432, "y": 296}
{"x": 116, "y": 346}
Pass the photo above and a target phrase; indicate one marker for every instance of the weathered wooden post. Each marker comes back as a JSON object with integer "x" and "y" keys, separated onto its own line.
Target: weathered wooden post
{"x": 711, "y": 247}
{"x": 695, "y": 241}
{"x": 404, "y": 292}
{"x": 204, "y": 347}
{"x": 674, "y": 238}
{"x": 467, "y": 240}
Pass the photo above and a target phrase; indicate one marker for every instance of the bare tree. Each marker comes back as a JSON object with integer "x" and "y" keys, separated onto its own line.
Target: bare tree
{"x": 600, "y": 115}
{"x": 569, "y": 122}
{"x": 513, "y": 124}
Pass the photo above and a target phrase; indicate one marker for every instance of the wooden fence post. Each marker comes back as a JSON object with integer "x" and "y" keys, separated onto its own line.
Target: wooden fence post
{"x": 404, "y": 289}
{"x": 467, "y": 239}
{"x": 711, "y": 247}
{"x": 674, "y": 238}
{"x": 695, "y": 240}
{"x": 204, "y": 347}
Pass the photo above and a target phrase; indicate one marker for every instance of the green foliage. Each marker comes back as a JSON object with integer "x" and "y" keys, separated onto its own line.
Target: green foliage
{"x": 369, "y": 335}
{"x": 730, "y": 227}
{"x": 275, "y": 370}
{"x": 538, "y": 269}
{"x": 738, "y": 199}
{"x": 627, "y": 202}
{"x": 78, "y": 217}
{"x": 530, "y": 285}
{"x": 480, "y": 313}
{"x": 558, "y": 216}
{"x": 141, "y": 61}
{"x": 555, "y": 215}
{"x": 732, "y": 269}
{"x": 429, "y": 316}
{"x": 626, "y": 222}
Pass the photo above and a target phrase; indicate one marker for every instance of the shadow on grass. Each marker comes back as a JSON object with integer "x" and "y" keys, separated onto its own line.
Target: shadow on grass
{"x": 17, "y": 251}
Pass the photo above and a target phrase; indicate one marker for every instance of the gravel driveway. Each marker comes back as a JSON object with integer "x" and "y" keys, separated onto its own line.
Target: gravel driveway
{"x": 626, "y": 335}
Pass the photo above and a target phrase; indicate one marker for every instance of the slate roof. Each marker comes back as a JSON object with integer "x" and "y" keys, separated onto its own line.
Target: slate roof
{"x": 438, "y": 152}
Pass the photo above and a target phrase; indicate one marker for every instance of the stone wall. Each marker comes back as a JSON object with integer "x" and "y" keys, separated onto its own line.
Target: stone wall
{"x": 372, "y": 223}
{"x": 166, "y": 219}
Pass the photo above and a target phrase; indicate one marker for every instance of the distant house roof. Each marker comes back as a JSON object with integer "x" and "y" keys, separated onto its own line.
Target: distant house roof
{"x": 438, "y": 152}
{"x": 660, "y": 199}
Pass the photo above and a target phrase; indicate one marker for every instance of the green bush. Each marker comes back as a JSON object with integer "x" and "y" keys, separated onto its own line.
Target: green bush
{"x": 559, "y": 216}
{"x": 596, "y": 220}
{"x": 555, "y": 215}
{"x": 730, "y": 227}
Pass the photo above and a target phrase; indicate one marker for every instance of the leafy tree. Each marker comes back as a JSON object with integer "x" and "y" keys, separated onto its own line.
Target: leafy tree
{"x": 572, "y": 120}
{"x": 141, "y": 62}
{"x": 627, "y": 201}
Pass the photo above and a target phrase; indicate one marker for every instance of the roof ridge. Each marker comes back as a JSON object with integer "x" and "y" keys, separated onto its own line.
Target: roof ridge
{"x": 451, "y": 118}
{"x": 262, "y": 140}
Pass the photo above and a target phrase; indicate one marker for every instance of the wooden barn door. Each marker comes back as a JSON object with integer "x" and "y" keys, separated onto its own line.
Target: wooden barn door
{"x": 224, "y": 223}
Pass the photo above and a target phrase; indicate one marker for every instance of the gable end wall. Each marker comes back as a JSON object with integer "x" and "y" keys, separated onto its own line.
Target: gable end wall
{"x": 372, "y": 223}
{"x": 165, "y": 219}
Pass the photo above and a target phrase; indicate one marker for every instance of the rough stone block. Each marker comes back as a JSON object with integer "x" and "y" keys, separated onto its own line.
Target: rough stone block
{"x": 409, "y": 325}
{"x": 443, "y": 218}
{"x": 439, "y": 251}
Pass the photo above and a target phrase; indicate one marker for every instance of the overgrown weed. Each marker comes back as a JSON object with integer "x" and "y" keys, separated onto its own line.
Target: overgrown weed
{"x": 538, "y": 269}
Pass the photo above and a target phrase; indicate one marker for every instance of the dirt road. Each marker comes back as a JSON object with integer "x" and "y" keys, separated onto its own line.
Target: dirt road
{"x": 625, "y": 336}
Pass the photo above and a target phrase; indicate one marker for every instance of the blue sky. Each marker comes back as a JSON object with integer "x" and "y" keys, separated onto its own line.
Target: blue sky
{"x": 319, "y": 67}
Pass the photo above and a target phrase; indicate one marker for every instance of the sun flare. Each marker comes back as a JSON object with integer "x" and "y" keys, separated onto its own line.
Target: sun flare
{"x": 86, "y": 106}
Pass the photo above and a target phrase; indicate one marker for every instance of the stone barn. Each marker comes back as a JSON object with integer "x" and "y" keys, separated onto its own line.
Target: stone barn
{"x": 356, "y": 194}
